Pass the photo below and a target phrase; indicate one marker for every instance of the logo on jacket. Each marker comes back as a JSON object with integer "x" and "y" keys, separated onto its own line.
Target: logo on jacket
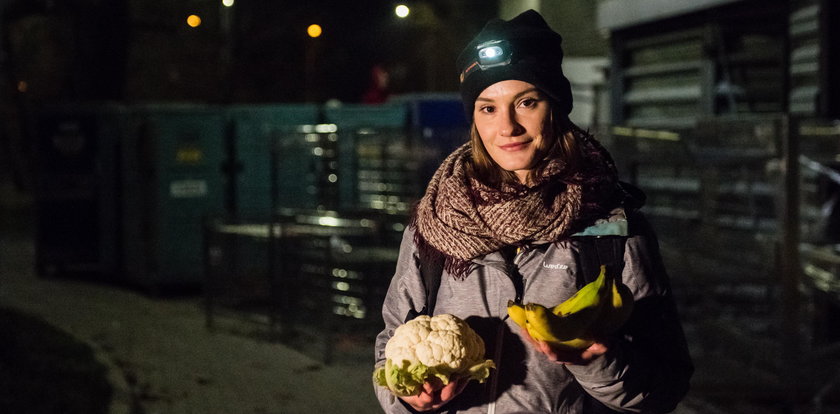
{"x": 555, "y": 266}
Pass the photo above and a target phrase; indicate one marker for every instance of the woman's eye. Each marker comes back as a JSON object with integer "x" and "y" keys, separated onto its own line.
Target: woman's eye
{"x": 487, "y": 109}
{"x": 528, "y": 102}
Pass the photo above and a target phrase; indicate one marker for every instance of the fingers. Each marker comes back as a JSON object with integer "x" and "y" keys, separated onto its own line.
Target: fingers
{"x": 432, "y": 384}
{"x": 435, "y": 394}
{"x": 526, "y": 335}
{"x": 452, "y": 389}
{"x": 594, "y": 350}
{"x": 421, "y": 402}
{"x": 425, "y": 400}
{"x": 576, "y": 357}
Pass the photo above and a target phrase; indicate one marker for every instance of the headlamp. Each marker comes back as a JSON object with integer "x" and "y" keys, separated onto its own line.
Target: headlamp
{"x": 493, "y": 53}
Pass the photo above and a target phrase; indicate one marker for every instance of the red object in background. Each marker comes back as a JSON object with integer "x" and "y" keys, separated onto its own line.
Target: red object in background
{"x": 377, "y": 91}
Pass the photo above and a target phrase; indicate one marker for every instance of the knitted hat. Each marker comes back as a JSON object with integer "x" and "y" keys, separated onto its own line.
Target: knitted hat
{"x": 523, "y": 48}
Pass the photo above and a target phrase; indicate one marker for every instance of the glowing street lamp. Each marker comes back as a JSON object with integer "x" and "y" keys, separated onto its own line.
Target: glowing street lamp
{"x": 402, "y": 11}
{"x": 314, "y": 30}
{"x": 227, "y": 3}
{"x": 193, "y": 20}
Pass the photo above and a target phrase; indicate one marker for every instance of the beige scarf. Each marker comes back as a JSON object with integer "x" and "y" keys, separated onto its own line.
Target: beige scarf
{"x": 460, "y": 218}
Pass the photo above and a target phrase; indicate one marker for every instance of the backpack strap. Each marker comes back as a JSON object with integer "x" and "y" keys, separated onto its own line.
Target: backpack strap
{"x": 431, "y": 271}
{"x": 596, "y": 251}
{"x": 593, "y": 251}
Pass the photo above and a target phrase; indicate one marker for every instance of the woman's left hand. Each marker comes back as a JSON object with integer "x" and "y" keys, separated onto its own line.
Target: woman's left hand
{"x": 434, "y": 394}
{"x": 566, "y": 356}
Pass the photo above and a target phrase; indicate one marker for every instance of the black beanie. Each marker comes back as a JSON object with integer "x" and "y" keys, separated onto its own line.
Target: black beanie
{"x": 535, "y": 56}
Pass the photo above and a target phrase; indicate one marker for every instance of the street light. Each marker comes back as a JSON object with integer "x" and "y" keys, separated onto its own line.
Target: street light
{"x": 193, "y": 20}
{"x": 402, "y": 11}
{"x": 226, "y": 22}
{"x": 311, "y": 53}
{"x": 314, "y": 30}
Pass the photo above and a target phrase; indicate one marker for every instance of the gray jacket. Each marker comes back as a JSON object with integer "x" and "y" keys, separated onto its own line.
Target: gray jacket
{"x": 646, "y": 370}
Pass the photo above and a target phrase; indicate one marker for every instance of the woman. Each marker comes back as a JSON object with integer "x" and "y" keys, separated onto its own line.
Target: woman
{"x": 504, "y": 214}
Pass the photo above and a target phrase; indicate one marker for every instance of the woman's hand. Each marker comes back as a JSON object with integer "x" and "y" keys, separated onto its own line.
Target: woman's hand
{"x": 566, "y": 356}
{"x": 435, "y": 394}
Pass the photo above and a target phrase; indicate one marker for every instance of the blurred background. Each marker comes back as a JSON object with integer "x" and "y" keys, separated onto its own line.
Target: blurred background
{"x": 260, "y": 158}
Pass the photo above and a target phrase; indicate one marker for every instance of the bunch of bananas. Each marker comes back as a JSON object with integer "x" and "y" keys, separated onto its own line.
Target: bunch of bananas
{"x": 597, "y": 309}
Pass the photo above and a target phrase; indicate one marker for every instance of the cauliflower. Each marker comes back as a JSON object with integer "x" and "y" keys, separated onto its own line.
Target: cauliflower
{"x": 441, "y": 346}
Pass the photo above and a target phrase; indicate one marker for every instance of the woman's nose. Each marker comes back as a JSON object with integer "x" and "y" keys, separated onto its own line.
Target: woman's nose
{"x": 509, "y": 127}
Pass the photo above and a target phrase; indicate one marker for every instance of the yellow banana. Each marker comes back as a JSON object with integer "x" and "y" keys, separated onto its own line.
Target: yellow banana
{"x": 538, "y": 324}
{"x": 517, "y": 313}
{"x": 589, "y": 296}
{"x": 616, "y": 311}
{"x": 599, "y": 308}
{"x": 568, "y": 331}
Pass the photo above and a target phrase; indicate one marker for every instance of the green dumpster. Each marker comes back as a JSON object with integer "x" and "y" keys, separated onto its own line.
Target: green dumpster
{"x": 256, "y": 130}
{"x": 172, "y": 180}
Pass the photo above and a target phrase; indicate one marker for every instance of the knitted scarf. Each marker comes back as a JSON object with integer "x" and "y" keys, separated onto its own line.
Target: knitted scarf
{"x": 460, "y": 218}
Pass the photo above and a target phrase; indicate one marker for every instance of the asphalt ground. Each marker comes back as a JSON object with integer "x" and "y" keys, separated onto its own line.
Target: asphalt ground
{"x": 159, "y": 357}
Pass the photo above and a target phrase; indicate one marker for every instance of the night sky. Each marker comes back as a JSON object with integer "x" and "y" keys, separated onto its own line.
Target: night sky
{"x": 143, "y": 50}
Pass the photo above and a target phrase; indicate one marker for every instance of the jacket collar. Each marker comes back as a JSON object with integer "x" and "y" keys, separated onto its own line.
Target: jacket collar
{"x": 614, "y": 225}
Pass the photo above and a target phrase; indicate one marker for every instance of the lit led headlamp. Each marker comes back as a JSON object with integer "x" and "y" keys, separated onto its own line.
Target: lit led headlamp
{"x": 494, "y": 53}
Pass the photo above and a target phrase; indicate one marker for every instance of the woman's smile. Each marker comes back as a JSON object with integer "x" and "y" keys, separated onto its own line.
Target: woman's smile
{"x": 515, "y": 146}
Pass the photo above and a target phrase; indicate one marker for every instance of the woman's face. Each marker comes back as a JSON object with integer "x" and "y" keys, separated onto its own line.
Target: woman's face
{"x": 511, "y": 117}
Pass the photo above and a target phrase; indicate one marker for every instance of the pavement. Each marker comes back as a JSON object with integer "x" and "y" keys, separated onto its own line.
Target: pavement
{"x": 162, "y": 359}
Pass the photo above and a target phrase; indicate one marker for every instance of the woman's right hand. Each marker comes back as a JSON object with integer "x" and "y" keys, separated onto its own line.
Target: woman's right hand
{"x": 434, "y": 394}
{"x": 565, "y": 356}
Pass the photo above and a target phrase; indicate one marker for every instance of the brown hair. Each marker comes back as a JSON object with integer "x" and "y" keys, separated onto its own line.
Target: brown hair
{"x": 561, "y": 143}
